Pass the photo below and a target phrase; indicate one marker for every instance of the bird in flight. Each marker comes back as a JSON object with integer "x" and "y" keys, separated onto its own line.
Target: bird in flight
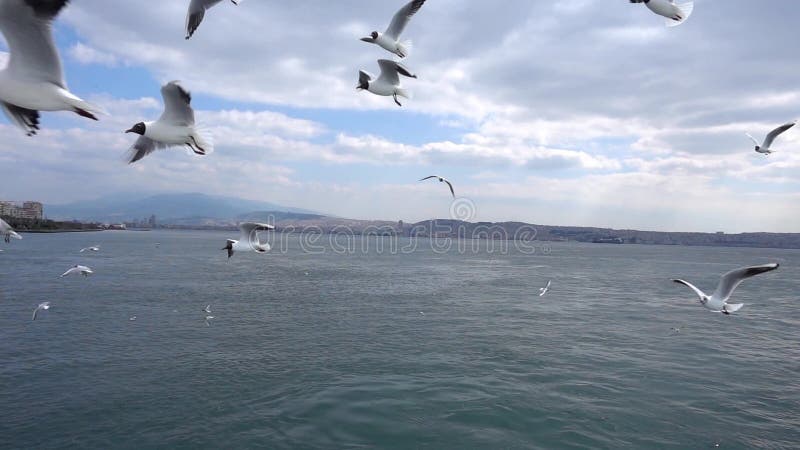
{"x": 390, "y": 39}
{"x": 764, "y": 147}
{"x": 718, "y": 300}
{"x": 442, "y": 180}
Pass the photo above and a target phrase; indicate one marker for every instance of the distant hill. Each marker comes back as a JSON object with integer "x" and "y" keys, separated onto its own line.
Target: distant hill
{"x": 168, "y": 208}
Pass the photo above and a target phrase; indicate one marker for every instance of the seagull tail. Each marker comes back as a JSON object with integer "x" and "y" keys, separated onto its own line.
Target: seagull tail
{"x": 203, "y": 141}
{"x": 82, "y": 107}
{"x": 405, "y": 93}
{"x": 686, "y": 10}
{"x": 733, "y": 307}
{"x": 404, "y": 48}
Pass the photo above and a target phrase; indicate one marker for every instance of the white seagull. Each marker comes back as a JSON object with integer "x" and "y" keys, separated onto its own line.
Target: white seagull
{"x": 94, "y": 248}
{"x": 175, "y": 126}
{"x": 764, "y": 148}
{"x": 208, "y": 320}
{"x": 78, "y": 270}
{"x": 197, "y": 10}
{"x": 207, "y": 309}
{"x": 7, "y": 232}
{"x": 388, "y": 83}
{"x": 442, "y": 180}
{"x": 42, "y": 307}
{"x": 390, "y": 39}
{"x": 545, "y": 290}
{"x": 675, "y": 14}
{"x": 33, "y": 80}
{"x": 718, "y": 301}
{"x": 248, "y": 240}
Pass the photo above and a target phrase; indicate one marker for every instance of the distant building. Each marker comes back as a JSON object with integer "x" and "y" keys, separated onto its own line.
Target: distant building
{"x": 152, "y": 221}
{"x": 24, "y": 210}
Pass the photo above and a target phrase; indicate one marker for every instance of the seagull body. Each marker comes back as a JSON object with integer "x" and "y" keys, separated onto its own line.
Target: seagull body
{"x": 42, "y": 307}
{"x": 175, "y": 127}
{"x": 94, "y": 248}
{"x": 197, "y": 10}
{"x": 390, "y": 39}
{"x": 33, "y": 80}
{"x": 132, "y": 318}
{"x": 718, "y": 301}
{"x": 388, "y": 83}
{"x": 675, "y": 14}
{"x": 248, "y": 240}
{"x": 7, "y": 232}
{"x": 207, "y": 309}
{"x": 442, "y": 180}
{"x": 764, "y": 147}
{"x": 78, "y": 270}
{"x": 545, "y": 290}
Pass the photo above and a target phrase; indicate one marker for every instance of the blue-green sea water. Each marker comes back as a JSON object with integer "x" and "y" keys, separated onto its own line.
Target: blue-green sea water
{"x": 373, "y": 349}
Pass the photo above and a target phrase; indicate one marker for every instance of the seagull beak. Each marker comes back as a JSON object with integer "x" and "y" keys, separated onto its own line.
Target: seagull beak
{"x": 368, "y": 39}
{"x": 130, "y": 131}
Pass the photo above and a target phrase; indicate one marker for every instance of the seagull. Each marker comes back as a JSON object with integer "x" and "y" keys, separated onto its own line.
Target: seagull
{"x": 390, "y": 39}
{"x": 545, "y": 290}
{"x": 78, "y": 270}
{"x": 718, "y": 301}
{"x": 388, "y": 83}
{"x": 207, "y": 309}
{"x": 94, "y": 248}
{"x": 7, "y": 232}
{"x": 675, "y": 14}
{"x": 197, "y": 10}
{"x": 174, "y": 127}
{"x": 33, "y": 80}
{"x": 208, "y": 319}
{"x": 764, "y": 148}
{"x": 132, "y": 318}
{"x": 42, "y": 307}
{"x": 249, "y": 241}
{"x": 442, "y": 180}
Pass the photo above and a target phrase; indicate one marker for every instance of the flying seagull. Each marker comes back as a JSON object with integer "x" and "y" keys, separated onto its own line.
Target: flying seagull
{"x": 33, "y": 80}
{"x": 390, "y": 39}
{"x": 78, "y": 270}
{"x": 7, "y": 232}
{"x": 248, "y": 240}
{"x": 94, "y": 248}
{"x": 174, "y": 127}
{"x": 442, "y": 180}
{"x": 764, "y": 148}
{"x": 718, "y": 301}
{"x": 545, "y": 290}
{"x": 675, "y": 14}
{"x": 197, "y": 10}
{"x": 208, "y": 320}
{"x": 388, "y": 83}
{"x": 42, "y": 307}
{"x": 207, "y": 309}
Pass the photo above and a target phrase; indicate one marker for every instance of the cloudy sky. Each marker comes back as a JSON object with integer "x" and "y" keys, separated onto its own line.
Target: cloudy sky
{"x": 568, "y": 112}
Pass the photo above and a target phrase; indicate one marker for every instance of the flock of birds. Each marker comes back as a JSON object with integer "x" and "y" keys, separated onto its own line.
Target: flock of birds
{"x": 33, "y": 81}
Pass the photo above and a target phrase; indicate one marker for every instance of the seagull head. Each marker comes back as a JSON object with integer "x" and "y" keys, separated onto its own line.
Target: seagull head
{"x": 139, "y": 129}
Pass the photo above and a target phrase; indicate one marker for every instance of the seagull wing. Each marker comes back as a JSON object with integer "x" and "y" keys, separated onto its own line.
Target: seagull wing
{"x": 177, "y": 105}
{"x": 452, "y": 191}
{"x": 391, "y": 71}
{"x": 35, "y": 311}
{"x": 27, "y": 27}
{"x": 777, "y": 132}
{"x": 27, "y": 119}
{"x": 697, "y": 291}
{"x": 364, "y": 77}
{"x": 729, "y": 281}
{"x": 69, "y": 272}
{"x": 197, "y": 10}
{"x": 753, "y": 139}
{"x": 143, "y": 147}
{"x": 402, "y": 17}
{"x": 428, "y": 178}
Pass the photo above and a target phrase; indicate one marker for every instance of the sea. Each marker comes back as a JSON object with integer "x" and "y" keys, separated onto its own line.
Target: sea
{"x": 349, "y": 342}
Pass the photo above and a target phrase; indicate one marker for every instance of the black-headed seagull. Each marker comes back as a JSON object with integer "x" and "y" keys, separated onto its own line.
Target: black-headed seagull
{"x": 718, "y": 301}
{"x": 545, "y": 290}
{"x": 42, "y": 307}
{"x": 33, "y": 80}
{"x": 390, "y": 39}
{"x": 94, "y": 248}
{"x": 675, "y": 14}
{"x": 388, "y": 83}
{"x": 764, "y": 147}
{"x": 442, "y": 180}
{"x": 175, "y": 127}
{"x": 197, "y": 10}
{"x": 248, "y": 240}
{"x": 7, "y": 232}
{"x": 78, "y": 270}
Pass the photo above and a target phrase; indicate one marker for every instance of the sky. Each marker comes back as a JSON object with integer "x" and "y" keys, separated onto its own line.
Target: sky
{"x": 560, "y": 112}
